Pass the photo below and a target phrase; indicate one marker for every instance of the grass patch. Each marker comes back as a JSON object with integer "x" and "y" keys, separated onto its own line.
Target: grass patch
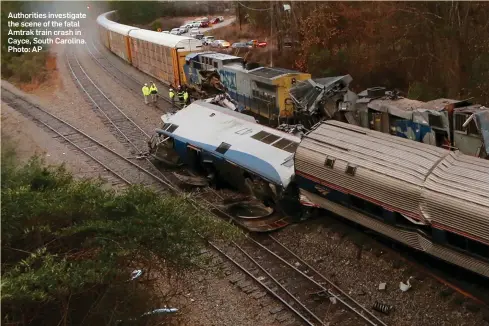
{"x": 68, "y": 246}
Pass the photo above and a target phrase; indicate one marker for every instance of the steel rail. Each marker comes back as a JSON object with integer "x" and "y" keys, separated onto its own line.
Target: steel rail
{"x": 167, "y": 182}
{"x": 134, "y": 79}
{"x": 65, "y": 123}
{"x": 325, "y": 279}
{"x": 98, "y": 106}
{"x": 278, "y": 283}
{"x": 266, "y": 287}
{"x": 30, "y": 112}
{"x": 321, "y": 286}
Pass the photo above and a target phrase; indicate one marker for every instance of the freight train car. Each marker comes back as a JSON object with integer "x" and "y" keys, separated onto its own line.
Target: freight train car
{"x": 428, "y": 198}
{"x": 160, "y": 55}
{"x": 261, "y": 90}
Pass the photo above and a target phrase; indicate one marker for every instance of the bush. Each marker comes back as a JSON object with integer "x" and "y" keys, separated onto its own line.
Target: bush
{"x": 69, "y": 245}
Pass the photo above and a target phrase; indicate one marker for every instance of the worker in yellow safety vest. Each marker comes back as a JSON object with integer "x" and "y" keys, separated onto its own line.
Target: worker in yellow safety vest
{"x": 146, "y": 93}
{"x": 154, "y": 92}
{"x": 181, "y": 96}
{"x": 172, "y": 96}
{"x": 185, "y": 97}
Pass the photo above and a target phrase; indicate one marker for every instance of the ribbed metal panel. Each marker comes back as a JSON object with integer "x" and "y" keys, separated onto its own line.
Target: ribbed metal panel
{"x": 456, "y": 195}
{"x": 412, "y": 239}
{"x": 390, "y": 169}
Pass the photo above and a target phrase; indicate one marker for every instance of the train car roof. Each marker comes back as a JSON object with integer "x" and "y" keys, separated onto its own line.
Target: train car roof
{"x": 257, "y": 148}
{"x": 456, "y": 195}
{"x": 272, "y": 73}
{"x": 113, "y": 26}
{"x": 400, "y": 157}
{"x": 368, "y": 164}
{"x": 182, "y": 43}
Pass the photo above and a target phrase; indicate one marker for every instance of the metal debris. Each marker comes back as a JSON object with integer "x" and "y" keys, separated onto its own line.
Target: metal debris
{"x": 333, "y": 300}
{"x": 383, "y": 308}
{"x": 382, "y": 286}
{"x": 405, "y": 286}
{"x": 160, "y": 311}
{"x": 136, "y": 274}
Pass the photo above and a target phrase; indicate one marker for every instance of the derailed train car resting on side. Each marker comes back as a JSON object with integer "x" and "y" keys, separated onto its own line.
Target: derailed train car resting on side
{"x": 426, "y": 197}
{"x": 229, "y": 147}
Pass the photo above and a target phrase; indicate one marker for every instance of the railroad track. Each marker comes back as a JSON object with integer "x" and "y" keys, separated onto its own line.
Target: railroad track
{"x": 118, "y": 170}
{"x": 306, "y": 293}
{"x": 123, "y": 171}
{"x": 128, "y": 81}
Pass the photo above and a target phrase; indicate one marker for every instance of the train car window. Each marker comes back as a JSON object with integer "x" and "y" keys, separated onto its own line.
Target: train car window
{"x": 478, "y": 248}
{"x": 472, "y": 128}
{"x": 435, "y": 120}
{"x": 223, "y": 148}
{"x": 215, "y": 64}
{"x": 269, "y": 139}
{"x": 197, "y": 65}
{"x": 291, "y": 148}
{"x": 351, "y": 169}
{"x": 172, "y": 128}
{"x": 166, "y": 125}
{"x": 260, "y": 135}
{"x": 459, "y": 121}
{"x": 282, "y": 143}
{"x": 329, "y": 162}
{"x": 456, "y": 240}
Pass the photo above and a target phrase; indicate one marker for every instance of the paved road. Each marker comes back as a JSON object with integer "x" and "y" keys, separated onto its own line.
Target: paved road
{"x": 226, "y": 22}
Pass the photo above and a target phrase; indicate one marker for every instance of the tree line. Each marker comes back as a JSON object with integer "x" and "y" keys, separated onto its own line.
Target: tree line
{"x": 427, "y": 49}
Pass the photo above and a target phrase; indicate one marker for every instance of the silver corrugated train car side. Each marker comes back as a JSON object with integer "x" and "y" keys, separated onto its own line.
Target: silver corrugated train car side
{"x": 426, "y": 197}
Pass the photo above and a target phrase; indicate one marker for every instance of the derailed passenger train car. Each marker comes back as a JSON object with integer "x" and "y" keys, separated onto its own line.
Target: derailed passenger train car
{"x": 426, "y": 197}
{"x": 228, "y": 146}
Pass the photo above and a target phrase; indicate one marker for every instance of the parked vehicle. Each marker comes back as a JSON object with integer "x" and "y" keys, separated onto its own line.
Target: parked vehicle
{"x": 166, "y": 32}
{"x": 240, "y": 45}
{"x": 207, "y": 40}
{"x": 196, "y": 24}
{"x": 185, "y": 28}
{"x": 220, "y": 44}
{"x": 221, "y": 18}
{"x": 194, "y": 32}
{"x": 257, "y": 44}
{"x": 176, "y": 31}
{"x": 204, "y": 24}
{"x": 199, "y": 36}
{"x": 215, "y": 21}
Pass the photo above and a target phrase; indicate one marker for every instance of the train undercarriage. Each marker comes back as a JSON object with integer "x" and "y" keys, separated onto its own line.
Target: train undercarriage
{"x": 261, "y": 207}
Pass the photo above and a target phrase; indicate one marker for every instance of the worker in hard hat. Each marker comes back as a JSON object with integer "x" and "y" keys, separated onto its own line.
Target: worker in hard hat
{"x": 181, "y": 96}
{"x": 154, "y": 92}
{"x": 146, "y": 93}
{"x": 172, "y": 96}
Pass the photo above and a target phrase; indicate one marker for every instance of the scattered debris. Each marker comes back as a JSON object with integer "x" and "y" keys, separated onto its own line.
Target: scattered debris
{"x": 404, "y": 287}
{"x": 383, "y": 308}
{"x": 297, "y": 264}
{"x": 160, "y": 311}
{"x": 136, "y": 274}
{"x": 382, "y": 286}
{"x": 260, "y": 278}
{"x": 333, "y": 300}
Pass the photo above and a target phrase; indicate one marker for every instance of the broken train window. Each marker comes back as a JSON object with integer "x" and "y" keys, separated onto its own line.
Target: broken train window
{"x": 223, "y": 148}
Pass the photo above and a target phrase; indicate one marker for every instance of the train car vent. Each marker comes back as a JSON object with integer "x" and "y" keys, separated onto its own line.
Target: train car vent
{"x": 172, "y": 128}
{"x": 351, "y": 169}
{"x": 223, "y": 148}
{"x": 329, "y": 162}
